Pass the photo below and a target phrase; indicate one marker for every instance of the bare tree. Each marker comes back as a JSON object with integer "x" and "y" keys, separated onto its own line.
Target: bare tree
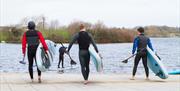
{"x": 54, "y": 24}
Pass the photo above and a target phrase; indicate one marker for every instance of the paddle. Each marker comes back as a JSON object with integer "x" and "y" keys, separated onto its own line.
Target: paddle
{"x": 157, "y": 56}
{"x": 23, "y": 62}
{"x": 72, "y": 61}
{"x": 126, "y": 60}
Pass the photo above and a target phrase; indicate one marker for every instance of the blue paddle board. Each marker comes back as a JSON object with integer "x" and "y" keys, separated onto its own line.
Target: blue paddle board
{"x": 96, "y": 59}
{"x": 156, "y": 65}
{"x": 175, "y": 72}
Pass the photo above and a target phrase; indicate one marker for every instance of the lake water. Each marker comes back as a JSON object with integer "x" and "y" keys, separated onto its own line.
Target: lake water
{"x": 167, "y": 48}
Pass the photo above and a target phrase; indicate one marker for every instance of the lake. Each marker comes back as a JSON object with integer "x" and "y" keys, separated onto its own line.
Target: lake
{"x": 167, "y": 48}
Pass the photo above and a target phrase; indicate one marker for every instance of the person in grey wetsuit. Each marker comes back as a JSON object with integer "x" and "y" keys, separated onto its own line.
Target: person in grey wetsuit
{"x": 84, "y": 39}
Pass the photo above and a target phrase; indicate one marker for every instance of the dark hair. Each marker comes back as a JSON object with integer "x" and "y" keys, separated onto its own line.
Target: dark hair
{"x": 140, "y": 29}
{"x": 31, "y": 25}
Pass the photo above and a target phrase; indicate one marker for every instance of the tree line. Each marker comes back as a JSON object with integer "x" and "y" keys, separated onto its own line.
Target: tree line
{"x": 100, "y": 32}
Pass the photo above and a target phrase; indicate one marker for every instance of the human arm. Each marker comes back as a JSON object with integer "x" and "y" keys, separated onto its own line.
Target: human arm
{"x": 150, "y": 44}
{"x": 41, "y": 38}
{"x": 74, "y": 39}
{"x": 93, "y": 43}
{"x": 135, "y": 44}
{"x": 24, "y": 44}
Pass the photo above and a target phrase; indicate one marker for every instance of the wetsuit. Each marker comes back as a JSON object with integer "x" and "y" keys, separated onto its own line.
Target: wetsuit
{"x": 31, "y": 38}
{"x": 84, "y": 39}
{"x": 140, "y": 43}
{"x": 62, "y": 50}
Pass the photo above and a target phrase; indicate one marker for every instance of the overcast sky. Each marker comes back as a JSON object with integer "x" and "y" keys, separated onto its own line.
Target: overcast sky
{"x": 114, "y": 13}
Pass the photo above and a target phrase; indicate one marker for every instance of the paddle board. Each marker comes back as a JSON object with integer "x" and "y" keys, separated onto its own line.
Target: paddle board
{"x": 175, "y": 72}
{"x": 44, "y": 60}
{"x": 62, "y": 70}
{"x": 96, "y": 59}
{"x": 156, "y": 65}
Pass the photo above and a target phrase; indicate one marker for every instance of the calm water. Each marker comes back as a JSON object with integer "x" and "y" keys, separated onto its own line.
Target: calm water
{"x": 167, "y": 48}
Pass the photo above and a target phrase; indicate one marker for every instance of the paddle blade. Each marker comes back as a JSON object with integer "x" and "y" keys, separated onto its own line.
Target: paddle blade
{"x": 22, "y": 62}
{"x": 125, "y": 61}
{"x": 73, "y": 62}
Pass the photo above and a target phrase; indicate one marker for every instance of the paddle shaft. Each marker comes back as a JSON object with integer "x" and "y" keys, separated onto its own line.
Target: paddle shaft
{"x": 23, "y": 58}
{"x": 126, "y": 60}
{"x": 131, "y": 56}
{"x": 67, "y": 53}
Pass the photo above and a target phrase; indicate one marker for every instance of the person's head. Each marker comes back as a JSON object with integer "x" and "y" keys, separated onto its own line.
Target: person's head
{"x": 140, "y": 30}
{"x": 31, "y": 25}
{"x": 81, "y": 27}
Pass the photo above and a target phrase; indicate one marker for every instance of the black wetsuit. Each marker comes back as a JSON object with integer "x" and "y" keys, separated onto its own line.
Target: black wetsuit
{"x": 33, "y": 42}
{"x": 84, "y": 39}
{"x": 62, "y": 50}
{"x": 141, "y": 42}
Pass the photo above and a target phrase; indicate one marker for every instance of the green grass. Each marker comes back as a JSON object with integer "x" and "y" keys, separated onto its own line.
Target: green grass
{"x": 58, "y": 35}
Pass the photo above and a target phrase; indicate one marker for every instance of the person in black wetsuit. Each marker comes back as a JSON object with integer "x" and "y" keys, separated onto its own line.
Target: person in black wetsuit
{"x": 62, "y": 50}
{"x": 140, "y": 43}
{"x": 84, "y": 39}
{"x": 32, "y": 38}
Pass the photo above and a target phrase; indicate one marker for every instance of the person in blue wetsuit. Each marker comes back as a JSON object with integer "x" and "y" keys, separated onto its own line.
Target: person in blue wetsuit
{"x": 140, "y": 43}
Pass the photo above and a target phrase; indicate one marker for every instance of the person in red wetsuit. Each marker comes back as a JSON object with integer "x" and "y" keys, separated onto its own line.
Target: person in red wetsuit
{"x": 31, "y": 38}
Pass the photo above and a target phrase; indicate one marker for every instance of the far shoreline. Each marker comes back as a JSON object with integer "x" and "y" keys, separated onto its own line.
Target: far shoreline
{"x": 16, "y": 42}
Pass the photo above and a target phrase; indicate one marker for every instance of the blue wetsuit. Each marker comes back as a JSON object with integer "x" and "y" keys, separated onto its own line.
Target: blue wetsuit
{"x": 140, "y": 43}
